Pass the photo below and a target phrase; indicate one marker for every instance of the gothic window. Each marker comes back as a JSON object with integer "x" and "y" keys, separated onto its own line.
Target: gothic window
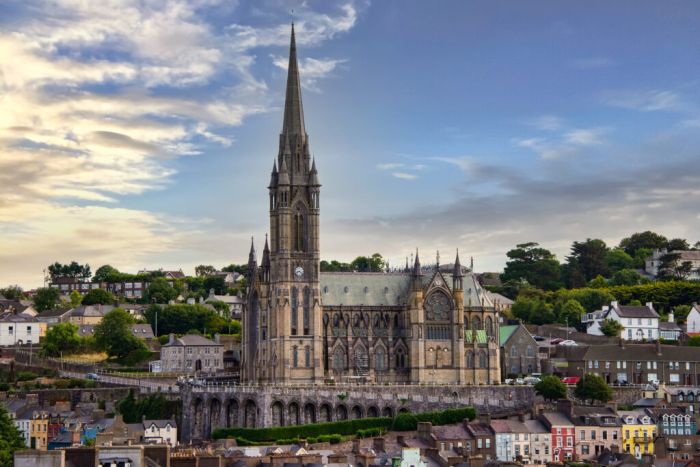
{"x": 489, "y": 326}
{"x": 379, "y": 359}
{"x": 299, "y": 230}
{"x": 466, "y": 322}
{"x": 470, "y": 359}
{"x": 339, "y": 359}
{"x": 482, "y": 359}
{"x": 397, "y": 323}
{"x": 513, "y": 351}
{"x": 476, "y": 322}
{"x": 361, "y": 360}
{"x": 307, "y": 357}
{"x": 307, "y": 305}
{"x": 437, "y": 307}
{"x": 295, "y": 357}
{"x": 295, "y": 311}
{"x": 400, "y": 358}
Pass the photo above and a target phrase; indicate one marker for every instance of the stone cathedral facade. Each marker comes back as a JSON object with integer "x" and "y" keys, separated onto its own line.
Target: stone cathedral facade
{"x": 300, "y": 326}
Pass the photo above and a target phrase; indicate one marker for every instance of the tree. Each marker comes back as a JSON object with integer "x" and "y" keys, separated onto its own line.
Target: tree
{"x": 694, "y": 341}
{"x": 204, "y": 270}
{"x": 98, "y": 297}
{"x": 62, "y": 337}
{"x": 592, "y": 387}
{"x": 532, "y": 310}
{"x": 611, "y": 328}
{"x": 75, "y": 299}
{"x": 671, "y": 267}
{"x": 571, "y": 313}
{"x": 12, "y": 292}
{"x": 150, "y": 407}
{"x": 74, "y": 270}
{"x": 114, "y": 336}
{"x": 46, "y": 298}
{"x": 598, "y": 282}
{"x": 551, "y": 388}
{"x": 239, "y": 268}
{"x": 374, "y": 263}
{"x": 680, "y": 313}
{"x": 678, "y": 244}
{"x": 10, "y": 439}
{"x": 618, "y": 259}
{"x": 627, "y": 277}
{"x": 589, "y": 257}
{"x": 105, "y": 274}
{"x": 334, "y": 266}
{"x": 160, "y": 291}
{"x": 647, "y": 240}
{"x": 537, "y": 266}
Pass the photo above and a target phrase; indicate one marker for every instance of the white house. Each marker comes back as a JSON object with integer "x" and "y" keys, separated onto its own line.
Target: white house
{"x": 160, "y": 432}
{"x": 692, "y": 322}
{"x": 652, "y": 263}
{"x": 638, "y": 322}
{"x": 20, "y": 329}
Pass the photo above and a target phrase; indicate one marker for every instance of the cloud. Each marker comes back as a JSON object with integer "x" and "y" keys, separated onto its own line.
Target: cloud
{"x": 585, "y": 136}
{"x": 645, "y": 101}
{"x": 591, "y": 63}
{"x": 547, "y": 123}
{"x": 404, "y": 175}
{"x": 310, "y": 69}
{"x": 565, "y": 143}
{"x": 406, "y": 172}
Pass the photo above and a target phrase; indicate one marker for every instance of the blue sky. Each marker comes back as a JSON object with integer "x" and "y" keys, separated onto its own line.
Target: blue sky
{"x": 142, "y": 133}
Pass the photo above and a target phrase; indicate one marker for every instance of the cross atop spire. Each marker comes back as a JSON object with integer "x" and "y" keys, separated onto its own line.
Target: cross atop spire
{"x": 293, "y": 109}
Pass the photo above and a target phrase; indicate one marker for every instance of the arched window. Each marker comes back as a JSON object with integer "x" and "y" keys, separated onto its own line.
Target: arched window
{"x": 437, "y": 307}
{"x": 489, "y": 326}
{"x": 470, "y": 359}
{"x": 513, "y": 351}
{"x": 476, "y": 322}
{"x": 530, "y": 352}
{"x": 295, "y": 357}
{"x": 295, "y": 311}
{"x": 339, "y": 359}
{"x": 483, "y": 363}
{"x": 379, "y": 359}
{"x": 307, "y": 357}
{"x": 299, "y": 230}
{"x": 400, "y": 358}
{"x": 307, "y": 312}
{"x": 361, "y": 359}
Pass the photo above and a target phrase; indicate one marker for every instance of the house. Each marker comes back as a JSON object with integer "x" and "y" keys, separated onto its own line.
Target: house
{"x": 540, "y": 442}
{"x": 652, "y": 263}
{"x": 561, "y": 428}
{"x": 672, "y": 421}
{"x": 519, "y": 355}
{"x": 160, "y": 432}
{"x": 484, "y": 437}
{"x": 20, "y": 329}
{"x": 512, "y": 440}
{"x": 235, "y": 303}
{"x": 692, "y": 322}
{"x": 638, "y": 432}
{"x": 129, "y": 289}
{"x": 669, "y": 330}
{"x": 170, "y": 275}
{"x": 141, "y": 331}
{"x": 641, "y": 363}
{"x": 18, "y": 306}
{"x": 192, "y": 353}
{"x": 597, "y": 430}
{"x": 639, "y": 323}
{"x": 66, "y": 285}
{"x": 52, "y": 317}
{"x": 683, "y": 397}
{"x": 89, "y": 314}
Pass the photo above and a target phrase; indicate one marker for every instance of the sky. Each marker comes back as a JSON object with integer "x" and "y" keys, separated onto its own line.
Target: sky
{"x": 141, "y": 133}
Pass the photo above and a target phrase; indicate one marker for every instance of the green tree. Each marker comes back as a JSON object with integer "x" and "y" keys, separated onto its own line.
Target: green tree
{"x": 537, "y": 266}
{"x": 589, "y": 257}
{"x": 551, "y": 388}
{"x": 680, "y": 313}
{"x": 532, "y": 310}
{"x": 114, "y": 336}
{"x": 678, "y": 244}
{"x": 626, "y": 277}
{"x": 75, "y": 299}
{"x": 74, "y": 270}
{"x": 46, "y": 298}
{"x": 334, "y": 266}
{"x": 646, "y": 240}
{"x": 640, "y": 257}
{"x": 374, "y": 263}
{"x": 592, "y": 387}
{"x": 239, "y": 268}
{"x": 671, "y": 267}
{"x": 150, "y": 407}
{"x": 618, "y": 259}
{"x": 12, "y": 292}
{"x": 160, "y": 291}
{"x": 694, "y": 341}
{"x": 204, "y": 270}
{"x": 105, "y": 273}
{"x": 10, "y": 439}
{"x": 62, "y": 337}
{"x": 610, "y": 328}
{"x": 598, "y": 282}
{"x": 571, "y": 313}
{"x": 98, "y": 297}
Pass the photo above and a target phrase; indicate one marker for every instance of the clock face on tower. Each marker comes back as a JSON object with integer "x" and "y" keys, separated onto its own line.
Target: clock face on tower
{"x": 298, "y": 271}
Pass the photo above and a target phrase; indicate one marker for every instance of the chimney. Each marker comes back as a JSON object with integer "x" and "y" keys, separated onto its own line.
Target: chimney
{"x": 485, "y": 418}
{"x": 171, "y": 339}
{"x": 671, "y": 317}
{"x": 32, "y": 399}
{"x": 613, "y": 304}
{"x": 650, "y": 305}
{"x": 521, "y": 417}
{"x": 217, "y": 337}
{"x": 658, "y": 347}
{"x": 378, "y": 444}
{"x": 424, "y": 429}
{"x": 606, "y": 307}
{"x": 565, "y": 406}
{"x": 75, "y": 436}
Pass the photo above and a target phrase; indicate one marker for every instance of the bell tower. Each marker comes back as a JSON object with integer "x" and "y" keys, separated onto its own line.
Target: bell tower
{"x": 294, "y": 342}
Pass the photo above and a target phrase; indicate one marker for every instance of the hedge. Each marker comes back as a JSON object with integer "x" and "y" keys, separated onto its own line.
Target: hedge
{"x": 368, "y": 426}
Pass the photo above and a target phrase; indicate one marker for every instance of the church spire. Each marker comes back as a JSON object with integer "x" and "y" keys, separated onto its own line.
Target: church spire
{"x": 416, "y": 266}
{"x": 293, "y": 109}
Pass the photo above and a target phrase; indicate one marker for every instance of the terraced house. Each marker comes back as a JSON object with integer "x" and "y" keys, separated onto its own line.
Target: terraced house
{"x": 638, "y": 432}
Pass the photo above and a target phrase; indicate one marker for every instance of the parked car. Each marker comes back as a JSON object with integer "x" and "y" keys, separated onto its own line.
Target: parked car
{"x": 567, "y": 342}
{"x": 509, "y": 381}
{"x": 519, "y": 381}
{"x": 92, "y": 376}
{"x": 531, "y": 380}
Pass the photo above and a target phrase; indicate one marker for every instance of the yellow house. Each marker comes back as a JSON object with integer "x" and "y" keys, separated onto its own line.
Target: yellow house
{"x": 638, "y": 432}
{"x": 89, "y": 314}
{"x": 39, "y": 430}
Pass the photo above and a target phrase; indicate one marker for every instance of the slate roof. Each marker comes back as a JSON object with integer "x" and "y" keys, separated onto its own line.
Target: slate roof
{"x": 666, "y": 326}
{"x": 450, "y": 432}
{"x": 535, "y": 426}
{"x": 10, "y": 317}
{"x": 92, "y": 310}
{"x": 556, "y": 419}
{"x": 627, "y": 311}
{"x": 191, "y": 340}
{"x": 159, "y": 423}
{"x": 53, "y": 313}
{"x": 642, "y": 352}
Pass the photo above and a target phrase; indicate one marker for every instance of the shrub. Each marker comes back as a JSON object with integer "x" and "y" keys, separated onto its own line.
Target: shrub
{"x": 26, "y": 376}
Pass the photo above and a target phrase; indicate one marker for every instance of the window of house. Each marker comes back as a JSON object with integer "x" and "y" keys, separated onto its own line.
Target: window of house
{"x": 569, "y": 441}
{"x": 487, "y": 441}
{"x": 582, "y": 435}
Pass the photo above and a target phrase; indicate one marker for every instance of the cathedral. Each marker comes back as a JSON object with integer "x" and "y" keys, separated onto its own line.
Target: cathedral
{"x": 422, "y": 325}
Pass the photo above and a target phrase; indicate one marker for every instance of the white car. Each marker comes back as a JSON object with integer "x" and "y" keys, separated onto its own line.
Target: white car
{"x": 531, "y": 380}
{"x": 567, "y": 342}
{"x": 519, "y": 381}
{"x": 509, "y": 381}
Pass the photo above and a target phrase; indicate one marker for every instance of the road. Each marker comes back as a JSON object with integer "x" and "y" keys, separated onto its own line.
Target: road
{"x": 144, "y": 384}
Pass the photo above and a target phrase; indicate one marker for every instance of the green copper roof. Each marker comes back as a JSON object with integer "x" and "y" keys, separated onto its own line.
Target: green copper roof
{"x": 481, "y": 336}
{"x": 505, "y": 333}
